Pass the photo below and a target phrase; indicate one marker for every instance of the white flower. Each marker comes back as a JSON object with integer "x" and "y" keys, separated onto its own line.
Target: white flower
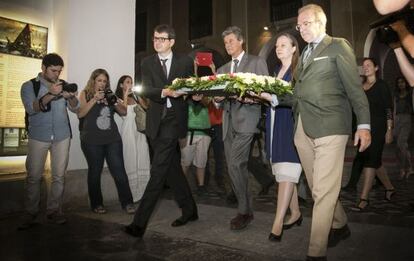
{"x": 271, "y": 80}
{"x": 175, "y": 81}
{"x": 191, "y": 80}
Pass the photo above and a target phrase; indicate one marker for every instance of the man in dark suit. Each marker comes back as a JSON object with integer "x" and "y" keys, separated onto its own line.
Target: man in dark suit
{"x": 327, "y": 84}
{"x": 166, "y": 124}
{"x": 240, "y": 120}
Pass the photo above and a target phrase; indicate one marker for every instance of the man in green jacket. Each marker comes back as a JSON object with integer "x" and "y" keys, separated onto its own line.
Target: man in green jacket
{"x": 326, "y": 84}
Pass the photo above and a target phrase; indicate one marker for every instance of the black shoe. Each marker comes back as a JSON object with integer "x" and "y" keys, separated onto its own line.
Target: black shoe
{"x": 297, "y": 222}
{"x": 361, "y": 206}
{"x": 265, "y": 189}
{"x": 338, "y": 234}
{"x": 275, "y": 238}
{"x": 181, "y": 221}
{"x": 316, "y": 258}
{"x": 241, "y": 221}
{"x": 134, "y": 231}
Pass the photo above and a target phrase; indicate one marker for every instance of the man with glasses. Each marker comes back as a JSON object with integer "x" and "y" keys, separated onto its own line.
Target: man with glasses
{"x": 166, "y": 124}
{"x": 327, "y": 84}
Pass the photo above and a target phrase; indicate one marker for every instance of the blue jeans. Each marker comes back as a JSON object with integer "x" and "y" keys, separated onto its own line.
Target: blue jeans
{"x": 95, "y": 156}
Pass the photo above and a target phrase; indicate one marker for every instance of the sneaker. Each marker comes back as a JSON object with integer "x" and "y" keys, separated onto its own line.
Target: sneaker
{"x": 29, "y": 221}
{"x": 129, "y": 209}
{"x": 56, "y": 218}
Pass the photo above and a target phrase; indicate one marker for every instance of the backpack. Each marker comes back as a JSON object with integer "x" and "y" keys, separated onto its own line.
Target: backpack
{"x": 36, "y": 88}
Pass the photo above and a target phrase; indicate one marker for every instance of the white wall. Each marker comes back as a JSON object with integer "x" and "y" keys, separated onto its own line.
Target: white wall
{"x": 93, "y": 34}
{"x": 88, "y": 34}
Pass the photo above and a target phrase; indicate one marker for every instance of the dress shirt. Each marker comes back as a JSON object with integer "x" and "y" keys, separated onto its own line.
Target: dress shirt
{"x": 239, "y": 58}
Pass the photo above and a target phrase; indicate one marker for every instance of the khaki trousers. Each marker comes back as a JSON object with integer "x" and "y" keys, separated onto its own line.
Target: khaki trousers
{"x": 35, "y": 165}
{"x": 322, "y": 160}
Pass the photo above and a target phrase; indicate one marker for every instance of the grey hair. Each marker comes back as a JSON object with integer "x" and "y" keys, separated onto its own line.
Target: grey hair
{"x": 317, "y": 11}
{"x": 233, "y": 30}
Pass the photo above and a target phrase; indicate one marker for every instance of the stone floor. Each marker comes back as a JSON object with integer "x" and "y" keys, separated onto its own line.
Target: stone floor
{"x": 384, "y": 232}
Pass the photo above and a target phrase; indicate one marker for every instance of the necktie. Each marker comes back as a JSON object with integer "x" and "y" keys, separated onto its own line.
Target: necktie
{"x": 164, "y": 67}
{"x": 236, "y": 63}
{"x": 308, "y": 52}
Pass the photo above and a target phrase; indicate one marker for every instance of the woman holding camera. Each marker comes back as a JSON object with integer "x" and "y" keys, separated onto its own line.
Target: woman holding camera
{"x": 100, "y": 140}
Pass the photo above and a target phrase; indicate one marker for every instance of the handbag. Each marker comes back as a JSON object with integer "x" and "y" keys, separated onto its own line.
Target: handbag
{"x": 140, "y": 117}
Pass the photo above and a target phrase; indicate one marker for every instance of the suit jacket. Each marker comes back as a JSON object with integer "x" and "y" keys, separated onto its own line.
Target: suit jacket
{"x": 153, "y": 81}
{"x": 326, "y": 87}
{"x": 244, "y": 117}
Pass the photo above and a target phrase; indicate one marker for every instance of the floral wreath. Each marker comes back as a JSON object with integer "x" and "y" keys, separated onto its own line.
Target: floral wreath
{"x": 235, "y": 83}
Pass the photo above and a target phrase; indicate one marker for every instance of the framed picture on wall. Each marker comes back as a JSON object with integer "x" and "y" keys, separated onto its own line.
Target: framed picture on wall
{"x": 23, "y": 39}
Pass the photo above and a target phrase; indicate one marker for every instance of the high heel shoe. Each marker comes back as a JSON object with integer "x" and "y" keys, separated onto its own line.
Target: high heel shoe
{"x": 275, "y": 238}
{"x": 358, "y": 207}
{"x": 298, "y": 222}
{"x": 388, "y": 194}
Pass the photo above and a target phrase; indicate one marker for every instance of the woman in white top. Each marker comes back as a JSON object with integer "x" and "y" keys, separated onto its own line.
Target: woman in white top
{"x": 135, "y": 146}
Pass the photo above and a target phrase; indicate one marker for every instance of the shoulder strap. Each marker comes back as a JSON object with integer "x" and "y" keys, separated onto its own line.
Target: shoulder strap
{"x": 36, "y": 88}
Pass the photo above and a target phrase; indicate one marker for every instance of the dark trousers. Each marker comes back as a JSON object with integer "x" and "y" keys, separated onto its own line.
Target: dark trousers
{"x": 95, "y": 156}
{"x": 217, "y": 146}
{"x": 165, "y": 168}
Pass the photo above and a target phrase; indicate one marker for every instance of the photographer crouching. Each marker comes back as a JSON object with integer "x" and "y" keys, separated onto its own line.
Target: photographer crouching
{"x": 100, "y": 140}
{"x": 45, "y": 99}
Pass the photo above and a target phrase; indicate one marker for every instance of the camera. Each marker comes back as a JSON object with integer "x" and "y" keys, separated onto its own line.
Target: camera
{"x": 110, "y": 97}
{"x": 385, "y": 33}
{"x": 69, "y": 87}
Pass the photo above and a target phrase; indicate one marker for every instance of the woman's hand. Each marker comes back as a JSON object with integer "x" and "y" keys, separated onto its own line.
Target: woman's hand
{"x": 98, "y": 97}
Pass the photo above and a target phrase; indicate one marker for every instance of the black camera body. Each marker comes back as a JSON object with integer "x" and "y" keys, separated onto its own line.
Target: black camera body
{"x": 385, "y": 33}
{"x": 69, "y": 87}
{"x": 110, "y": 97}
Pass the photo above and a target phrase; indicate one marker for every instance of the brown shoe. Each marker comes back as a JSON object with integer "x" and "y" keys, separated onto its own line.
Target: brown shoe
{"x": 240, "y": 221}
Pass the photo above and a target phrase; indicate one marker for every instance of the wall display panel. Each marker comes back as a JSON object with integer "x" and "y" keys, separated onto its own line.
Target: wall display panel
{"x": 22, "y": 46}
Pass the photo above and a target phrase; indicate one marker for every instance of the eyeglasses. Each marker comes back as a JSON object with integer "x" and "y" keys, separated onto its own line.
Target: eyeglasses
{"x": 304, "y": 25}
{"x": 160, "y": 39}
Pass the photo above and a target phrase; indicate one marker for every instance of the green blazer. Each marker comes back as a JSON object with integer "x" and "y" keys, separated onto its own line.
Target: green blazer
{"x": 326, "y": 87}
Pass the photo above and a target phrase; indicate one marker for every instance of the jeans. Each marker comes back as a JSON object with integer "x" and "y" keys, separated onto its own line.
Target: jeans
{"x": 113, "y": 154}
{"x": 35, "y": 164}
